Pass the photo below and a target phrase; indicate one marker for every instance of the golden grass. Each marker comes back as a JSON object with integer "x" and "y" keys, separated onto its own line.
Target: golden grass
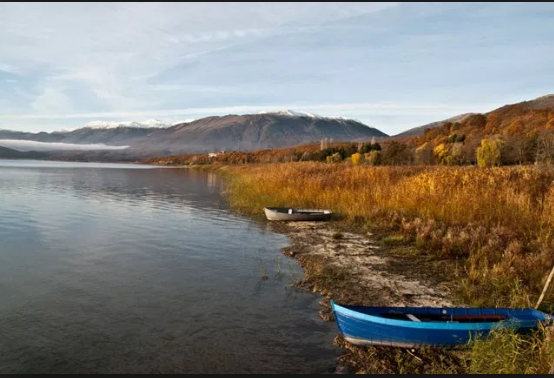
{"x": 506, "y": 352}
{"x": 497, "y": 223}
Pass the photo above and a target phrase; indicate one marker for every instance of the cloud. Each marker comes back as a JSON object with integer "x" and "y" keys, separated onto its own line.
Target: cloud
{"x": 120, "y": 60}
{"x": 200, "y": 89}
{"x": 26, "y": 145}
{"x": 65, "y": 43}
{"x": 51, "y": 101}
{"x": 8, "y": 69}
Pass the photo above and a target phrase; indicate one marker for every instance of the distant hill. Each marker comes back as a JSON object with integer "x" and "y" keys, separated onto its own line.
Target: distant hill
{"x": 8, "y": 153}
{"x": 39, "y": 137}
{"x": 541, "y": 103}
{"x": 420, "y": 130}
{"x": 231, "y": 132}
{"x": 514, "y": 123}
{"x": 532, "y": 113}
{"x": 524, "y": 134}
{"x": 524, "y": 131}
{"x": 521, "y": 120}
{"x": 259, "y": 131}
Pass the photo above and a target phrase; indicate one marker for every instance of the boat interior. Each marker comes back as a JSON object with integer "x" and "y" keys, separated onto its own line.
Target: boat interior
{"x": 447, "y": 318}
{"x": 298, "y": 211}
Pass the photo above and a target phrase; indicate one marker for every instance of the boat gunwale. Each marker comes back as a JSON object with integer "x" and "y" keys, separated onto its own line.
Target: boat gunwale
{"x": 435, "y": 325}
{"x": 301, "y": 211}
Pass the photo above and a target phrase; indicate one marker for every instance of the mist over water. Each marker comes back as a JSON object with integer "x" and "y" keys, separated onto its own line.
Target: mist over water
{"x": 28, "y": 145}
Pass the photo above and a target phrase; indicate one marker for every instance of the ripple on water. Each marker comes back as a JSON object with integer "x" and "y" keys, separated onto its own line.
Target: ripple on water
{"x": 120, "y": 270}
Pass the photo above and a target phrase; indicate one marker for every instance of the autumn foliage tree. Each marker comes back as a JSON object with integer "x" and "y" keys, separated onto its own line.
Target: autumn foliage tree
{"x": 449, "y": 153}
{"x": 424, "y": 154}
{"x": 441, "y": 153}
{"x": 373, "y": 158}
{"x": 357, "y": 158}
{"x": 489, "y": 154}
{"x": 335, "y": 158}
{"x": 545, "y": 147}
{"x": 397, "y": 154}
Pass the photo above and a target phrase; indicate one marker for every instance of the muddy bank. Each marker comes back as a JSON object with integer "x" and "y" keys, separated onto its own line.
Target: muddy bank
{"x": 378, "y": 277}
{"x": 357, "y": 269}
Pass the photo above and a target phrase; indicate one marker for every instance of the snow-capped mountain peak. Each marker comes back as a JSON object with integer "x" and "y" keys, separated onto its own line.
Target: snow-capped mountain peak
{"x": 294, "y": 113}
{"x": 148, "y": 124}
{"x": 291, "y": 113}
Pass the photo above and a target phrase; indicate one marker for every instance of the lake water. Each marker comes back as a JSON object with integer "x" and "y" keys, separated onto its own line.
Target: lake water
{"x": 134, "y": 269}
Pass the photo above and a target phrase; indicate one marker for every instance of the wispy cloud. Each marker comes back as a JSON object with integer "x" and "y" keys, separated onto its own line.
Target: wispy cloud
{"x": 200, "y": 89}
{"x": 51, "y": 101}
{"x": 8, "y": 69}
{"x": 91, "y": 60}
{"x": 136, "y": 40}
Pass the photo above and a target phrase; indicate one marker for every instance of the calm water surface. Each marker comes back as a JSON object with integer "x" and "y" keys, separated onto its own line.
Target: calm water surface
{"x": 128, "y": 269}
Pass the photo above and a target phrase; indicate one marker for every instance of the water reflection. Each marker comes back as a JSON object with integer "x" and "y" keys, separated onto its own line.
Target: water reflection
{"x": 145, "y": 270}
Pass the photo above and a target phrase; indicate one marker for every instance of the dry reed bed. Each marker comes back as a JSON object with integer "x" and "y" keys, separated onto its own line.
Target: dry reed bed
{"x": 497, "y": 221}
{"x": 497, "y": 224}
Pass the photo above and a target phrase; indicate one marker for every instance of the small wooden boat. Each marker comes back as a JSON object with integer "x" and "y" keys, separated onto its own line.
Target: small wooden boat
{"x": 409, "y": 326}
{"x": 290, "y": 214}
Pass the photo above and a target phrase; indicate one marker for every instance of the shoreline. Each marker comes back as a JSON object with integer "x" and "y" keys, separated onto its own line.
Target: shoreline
{"x": 366, "y": 261}
{"x": 446, "y": 228}
{"x": 354, "y": 268}
{"x": 342, "y": 261}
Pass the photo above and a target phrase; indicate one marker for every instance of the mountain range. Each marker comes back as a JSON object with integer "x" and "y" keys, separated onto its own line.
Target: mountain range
{"x": 230, "y": 132}
{"x": 149, "y": 124}
{"x": 8, "y": 153}
{"x": 269, "y": 130}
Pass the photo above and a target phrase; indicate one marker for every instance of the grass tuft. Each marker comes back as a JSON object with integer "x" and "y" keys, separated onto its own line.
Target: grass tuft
{"x": 338, "y": 236}
{"x": 508, "y": 352}
{"x": 394, "y": 240}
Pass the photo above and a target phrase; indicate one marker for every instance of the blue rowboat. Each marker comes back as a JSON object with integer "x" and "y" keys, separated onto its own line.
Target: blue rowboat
{"x": 410, "y": 326}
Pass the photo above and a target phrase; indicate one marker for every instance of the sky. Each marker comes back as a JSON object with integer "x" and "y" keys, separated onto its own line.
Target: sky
{"x": 390, "y": 65}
